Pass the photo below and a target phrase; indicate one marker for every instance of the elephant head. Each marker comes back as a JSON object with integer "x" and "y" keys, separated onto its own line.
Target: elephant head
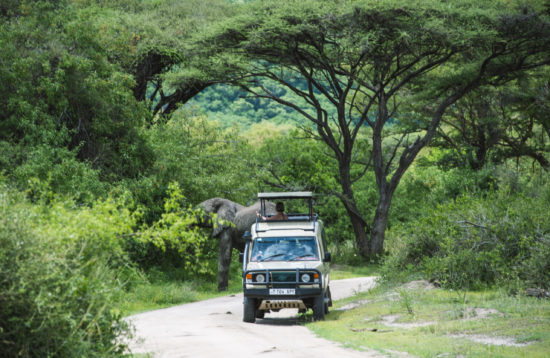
{"x": 225, "y": 211}
{"x": 232, "y": 220}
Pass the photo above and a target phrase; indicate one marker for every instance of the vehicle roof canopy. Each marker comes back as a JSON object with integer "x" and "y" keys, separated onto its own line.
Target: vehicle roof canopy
{"x": 286, "y": 195}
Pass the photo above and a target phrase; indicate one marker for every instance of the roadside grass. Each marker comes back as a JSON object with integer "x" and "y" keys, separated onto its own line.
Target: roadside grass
{"x": 341, "y": 272}
{"x": 155, "y": 295}
{"x": 424, "y": 321}
{"x": 166, "y": 287}
{"x": 169, "y": 287}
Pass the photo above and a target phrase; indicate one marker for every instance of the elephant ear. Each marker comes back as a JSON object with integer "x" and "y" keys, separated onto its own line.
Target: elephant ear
{"x": 224, "y": 210}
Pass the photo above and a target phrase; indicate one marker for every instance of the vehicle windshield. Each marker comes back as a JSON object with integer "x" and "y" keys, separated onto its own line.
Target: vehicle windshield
{"x": 284, "y": 249}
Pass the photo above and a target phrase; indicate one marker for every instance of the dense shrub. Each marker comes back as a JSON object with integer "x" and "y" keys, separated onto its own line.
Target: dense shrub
{"x": 479, "y": 241}
{"x": 426, "y": 186}
{"x": 175, "y": 240}
{"x": 57, "y": 278}
{"x": 205, "y": 160}
{"x": 68, "y": 114}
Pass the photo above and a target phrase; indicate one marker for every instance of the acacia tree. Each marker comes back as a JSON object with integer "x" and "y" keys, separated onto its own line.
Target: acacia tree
{"x": 366, "y": 59}
{"x": 147, "y": 37}
{"x": 496, "y": 124}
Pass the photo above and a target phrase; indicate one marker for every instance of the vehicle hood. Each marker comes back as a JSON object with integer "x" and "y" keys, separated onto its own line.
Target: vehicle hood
{"x": 284, "y": 265}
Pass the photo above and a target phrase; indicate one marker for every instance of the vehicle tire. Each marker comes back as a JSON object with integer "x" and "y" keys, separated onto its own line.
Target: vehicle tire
{"x": 249, "y": 310}
{"x": 260, "y": 314}
{"x": 319, "y": 308}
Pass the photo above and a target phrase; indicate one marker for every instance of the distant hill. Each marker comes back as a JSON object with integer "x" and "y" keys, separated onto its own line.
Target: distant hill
{"x": 231, "y": 105}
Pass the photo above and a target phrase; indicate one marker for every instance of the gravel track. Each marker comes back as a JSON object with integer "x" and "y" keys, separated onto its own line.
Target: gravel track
{"x": 214, "y": 329}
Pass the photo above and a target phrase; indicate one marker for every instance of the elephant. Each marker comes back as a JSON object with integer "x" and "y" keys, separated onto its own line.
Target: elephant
{"x": 230, "y": 235}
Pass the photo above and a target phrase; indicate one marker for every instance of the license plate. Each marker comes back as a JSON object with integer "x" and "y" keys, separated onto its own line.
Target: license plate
{"x": 282, "y": 291}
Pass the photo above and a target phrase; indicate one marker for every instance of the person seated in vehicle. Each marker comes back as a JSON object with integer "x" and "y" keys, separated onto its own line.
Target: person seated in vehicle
{"x": 280, "y": 207}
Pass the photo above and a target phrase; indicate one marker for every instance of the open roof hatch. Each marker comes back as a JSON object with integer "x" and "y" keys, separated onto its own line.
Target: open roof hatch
{"x": 306, "y": 198}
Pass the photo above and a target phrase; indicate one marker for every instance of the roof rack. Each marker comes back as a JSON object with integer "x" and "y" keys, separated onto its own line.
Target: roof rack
{"x": 286, "y": 195}
{"x": 309, "y": 217}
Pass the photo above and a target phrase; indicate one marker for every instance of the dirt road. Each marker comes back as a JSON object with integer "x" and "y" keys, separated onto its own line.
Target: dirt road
{"x": 214, "y": 329}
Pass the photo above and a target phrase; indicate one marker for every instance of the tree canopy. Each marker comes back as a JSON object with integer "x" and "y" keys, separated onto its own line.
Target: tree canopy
{"x": 102, "y": 166}
{"x": 369, "y": 59}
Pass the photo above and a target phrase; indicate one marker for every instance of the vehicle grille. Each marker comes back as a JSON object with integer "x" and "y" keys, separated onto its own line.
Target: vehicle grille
{"x": 283, "y": 276}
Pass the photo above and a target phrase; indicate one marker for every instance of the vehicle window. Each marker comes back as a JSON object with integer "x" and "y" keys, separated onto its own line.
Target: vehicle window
{"x": 284, "y": 249}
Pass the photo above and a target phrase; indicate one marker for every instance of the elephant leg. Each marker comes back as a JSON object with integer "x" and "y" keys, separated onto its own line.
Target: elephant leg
{"x": 224, "y": 259}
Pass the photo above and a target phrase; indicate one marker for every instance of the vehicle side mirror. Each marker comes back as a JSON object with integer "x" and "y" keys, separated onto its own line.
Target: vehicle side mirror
{"x": 327, "y": 257}
{"x": 241, "y": 257}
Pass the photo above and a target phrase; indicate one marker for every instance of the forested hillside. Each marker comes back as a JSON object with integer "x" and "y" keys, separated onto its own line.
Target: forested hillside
{"x": 422, "y": 127}
{"x": 233, "y": 106}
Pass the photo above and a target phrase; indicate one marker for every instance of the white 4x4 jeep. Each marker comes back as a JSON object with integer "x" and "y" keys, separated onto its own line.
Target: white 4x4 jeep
{"x": 285, "y": 262}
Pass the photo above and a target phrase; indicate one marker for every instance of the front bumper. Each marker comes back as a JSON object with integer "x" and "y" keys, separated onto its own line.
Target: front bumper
{"x": 282, "y": 279}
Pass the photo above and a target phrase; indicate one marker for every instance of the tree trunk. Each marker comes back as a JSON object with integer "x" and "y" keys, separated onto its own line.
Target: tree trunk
{"x": 359, "y": 225}
{"x": 360, "y": 229}
{"x": 384, "y": 196}
{"x": 379, "y": 224}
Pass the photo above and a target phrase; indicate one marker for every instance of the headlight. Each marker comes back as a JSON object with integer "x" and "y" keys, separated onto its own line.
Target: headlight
{"x": 305, "y": 277}
{"x": 260, "y": 278}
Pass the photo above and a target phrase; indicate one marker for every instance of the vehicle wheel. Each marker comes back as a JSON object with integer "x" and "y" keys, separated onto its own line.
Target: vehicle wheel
{"x": 260, "y": 314}
{"x": 249, "y": 310}
{"x": 319, "y": 308}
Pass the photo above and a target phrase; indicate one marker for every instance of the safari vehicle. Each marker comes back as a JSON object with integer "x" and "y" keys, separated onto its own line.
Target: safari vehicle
{"x": 285, "y": 262}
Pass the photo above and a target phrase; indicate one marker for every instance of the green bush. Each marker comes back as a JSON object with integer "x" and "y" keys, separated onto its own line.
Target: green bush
{"x": 426, "y": 187}
{"x": 175, "y": 240}
{"x": 478, "y": 241}
{"x": 65, "y": 107}
{"x": 48, "y": 170}
{"x": 57, "y": 278}
{"x": 535, "y": 270}
{"x": 205, "y": 160}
